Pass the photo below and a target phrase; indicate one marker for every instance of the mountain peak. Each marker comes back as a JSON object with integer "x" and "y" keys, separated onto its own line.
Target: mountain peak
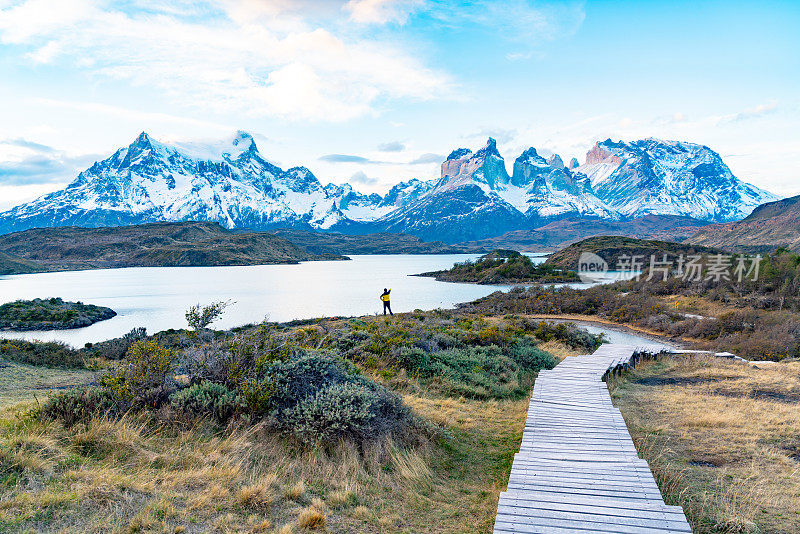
{"x": 243, "y": 138}
{"x": 459, "y": 153}
{"x": 143, "y": 139}
{"x": 532, "y": 157}
{"x": 556, "y": 161}
{"x": 489, "y": 148}
{"x": 645, "y": 176}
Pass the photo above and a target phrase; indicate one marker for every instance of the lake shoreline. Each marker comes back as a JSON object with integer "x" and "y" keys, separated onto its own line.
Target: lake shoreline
{"x": 610, "y": 325}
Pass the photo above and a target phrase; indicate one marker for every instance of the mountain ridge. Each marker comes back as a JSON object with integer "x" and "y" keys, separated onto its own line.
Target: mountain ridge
{"x": 770, "y": 226}
{"x": 161, "y": 244}
{"x": 230, "y": 182}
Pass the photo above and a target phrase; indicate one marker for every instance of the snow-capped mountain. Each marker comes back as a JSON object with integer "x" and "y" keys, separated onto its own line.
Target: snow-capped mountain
{"x": 476, "y": 198}
{"x": 548, "y": 189}
{"x": 652, "y": 176}
{"x": 228, "y": 182}
{"x": 406, "y": 192}
{"x": 464, "y": 202}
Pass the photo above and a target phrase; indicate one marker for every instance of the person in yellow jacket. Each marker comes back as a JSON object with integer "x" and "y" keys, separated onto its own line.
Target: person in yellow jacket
{"x": 385, "y": 299}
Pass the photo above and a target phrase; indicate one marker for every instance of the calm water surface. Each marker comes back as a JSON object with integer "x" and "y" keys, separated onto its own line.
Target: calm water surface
{"x": 157, "y": 297}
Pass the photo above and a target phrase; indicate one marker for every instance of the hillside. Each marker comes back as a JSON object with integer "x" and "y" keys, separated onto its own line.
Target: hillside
{"x": 771, "y": 225}
{"x": 612, "y": 248}
{"x": 10, "y": 264}
{"x": 380, "y": 243}
{"x": 503, "y": 267}
{"x": 150, "y": 245}
{"x": 566, "y": 231}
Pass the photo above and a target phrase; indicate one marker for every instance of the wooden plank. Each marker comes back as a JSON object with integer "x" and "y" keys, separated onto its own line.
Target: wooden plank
{"x": 578, "y": 469}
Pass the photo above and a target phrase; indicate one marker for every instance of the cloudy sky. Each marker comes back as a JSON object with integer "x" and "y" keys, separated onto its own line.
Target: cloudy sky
{"x": 375, "y": 91}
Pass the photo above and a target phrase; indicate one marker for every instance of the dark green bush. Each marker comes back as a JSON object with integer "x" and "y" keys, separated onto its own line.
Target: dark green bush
{"x": 207, "y": 398}
{"x": 354, "y": 410}
{"x": 316, "y": 398}
{"x": 531, "y": 358}
{"x": 302, "y": 376}
{"x": 144, "y": 378}
{"x": 78, "y": 405}
{"x": 49, "y": 354}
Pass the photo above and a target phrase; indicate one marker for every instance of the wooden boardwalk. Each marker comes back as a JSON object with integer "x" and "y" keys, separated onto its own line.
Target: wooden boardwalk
{"x": 577, "y": 469}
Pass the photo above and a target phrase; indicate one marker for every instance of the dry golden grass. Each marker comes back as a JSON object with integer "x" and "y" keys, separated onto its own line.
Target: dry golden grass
{"x": 312, "y": 518}
{"x": 295, "y": 491}
{"x": 558, "y": 349}
{"x": 722, "y": 438}
{"x": 135, "y": 474}
{"x": 697, "y": 305}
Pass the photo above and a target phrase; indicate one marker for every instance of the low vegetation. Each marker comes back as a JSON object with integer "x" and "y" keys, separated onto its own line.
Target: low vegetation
{"x": 504, "y": 267}
{"x": 614, "y": 248}
{"x": 10, "y": 264}
{"x": 406, "y": 423}
{"x": 54, "y": 354}
{"x": 161, "y": 244}
{"x": 379, "y": 243}
{"x": 756, "y": 319}
{"x": 50, "y": 314}
{"x": 721, "y": 439}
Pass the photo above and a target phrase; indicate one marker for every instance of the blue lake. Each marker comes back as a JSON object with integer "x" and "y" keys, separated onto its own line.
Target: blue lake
{"x": 157, "y": 297}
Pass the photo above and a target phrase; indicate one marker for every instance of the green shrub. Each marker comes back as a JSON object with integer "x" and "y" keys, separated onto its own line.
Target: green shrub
{"x": 207, "y": 399}
{"x": 77, "y": 405}
{"x": 303, "y": 376}
{"x": 315, "y": 398}
{"x": 414, "y": 360}
{"x": 144, "y": 377}
{"x": 532, "y": 358}
{"x": 115, "y": 349}
{"x": 355, "y": 410}
{"x": 49, "y": 354}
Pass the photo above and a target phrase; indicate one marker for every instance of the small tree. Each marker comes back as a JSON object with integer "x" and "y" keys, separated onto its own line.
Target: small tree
{"x": 199, "y": 317}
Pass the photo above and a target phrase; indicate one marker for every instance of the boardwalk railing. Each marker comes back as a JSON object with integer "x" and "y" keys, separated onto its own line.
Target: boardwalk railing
{"x": 577, "y": 469}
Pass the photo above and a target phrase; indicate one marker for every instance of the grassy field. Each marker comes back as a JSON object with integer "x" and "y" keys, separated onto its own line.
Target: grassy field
{"x": 129, "y": 476}
{"x": 20, "y": 382}
{"x": 722, "y": 438}
{"x": 147, "y": 471}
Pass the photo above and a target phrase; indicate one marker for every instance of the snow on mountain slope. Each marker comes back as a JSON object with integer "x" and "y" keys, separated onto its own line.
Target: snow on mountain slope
{"x": 230, "y": 182}
{"x": 476, "y": 198}
{"x": 227, "y": 182}
{"x": 668, "y": 177}
{"x": 485, "y": 168}
{"x": 548, "y": 189}
{"x": 406, "y": 192}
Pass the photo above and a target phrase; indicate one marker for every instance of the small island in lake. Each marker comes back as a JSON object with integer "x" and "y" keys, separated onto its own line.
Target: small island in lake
{"x": 50, "y": 314}
{"x": 504, "y": 267}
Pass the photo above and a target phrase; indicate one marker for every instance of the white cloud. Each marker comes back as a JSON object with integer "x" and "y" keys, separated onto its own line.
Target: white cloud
{"x": 27, "y": 163}
{"x": 359, "y": 177}
{"x": 381, "y": 11}
{"x": 11, "y": 196}
{"x": 223, "y": 55}
{"x": 752, "y": 113}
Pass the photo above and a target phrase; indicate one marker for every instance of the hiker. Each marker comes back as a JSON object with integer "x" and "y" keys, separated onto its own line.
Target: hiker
{"x": 385, "y": 299}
